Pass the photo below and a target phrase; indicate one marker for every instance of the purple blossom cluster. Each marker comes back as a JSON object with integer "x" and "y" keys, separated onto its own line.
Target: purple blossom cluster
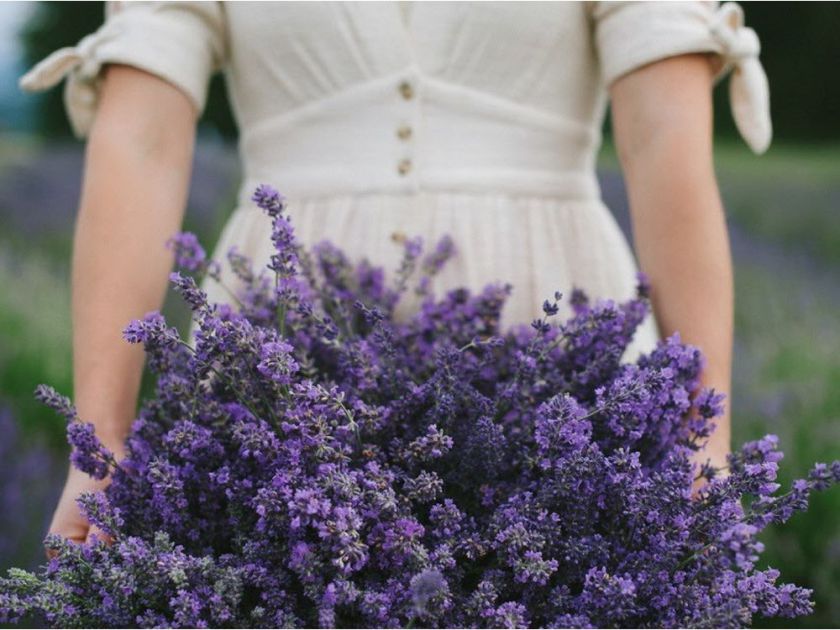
{"x": 314, "y": 461}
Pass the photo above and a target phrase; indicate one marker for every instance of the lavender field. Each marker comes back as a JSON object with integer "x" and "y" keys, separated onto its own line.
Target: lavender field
{"x": 784, "y": 213}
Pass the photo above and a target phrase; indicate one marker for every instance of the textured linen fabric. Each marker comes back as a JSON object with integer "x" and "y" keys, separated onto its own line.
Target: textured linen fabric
{"x": 480, "y": 120}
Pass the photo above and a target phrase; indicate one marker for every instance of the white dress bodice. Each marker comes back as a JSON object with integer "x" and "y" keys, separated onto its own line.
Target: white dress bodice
{"x": 477, "y": 119}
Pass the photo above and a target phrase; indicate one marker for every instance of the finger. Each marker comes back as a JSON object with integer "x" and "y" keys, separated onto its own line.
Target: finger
{"x": 99, "y": 534}
{"x": 52, "y": 552}
{"x": 698, "y": 484}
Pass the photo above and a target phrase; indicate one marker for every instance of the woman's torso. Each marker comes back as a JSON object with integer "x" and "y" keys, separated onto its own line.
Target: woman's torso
{"x": 477, "y": 120}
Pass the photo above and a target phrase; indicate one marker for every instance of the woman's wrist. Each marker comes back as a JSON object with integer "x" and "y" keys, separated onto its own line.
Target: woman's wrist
{"x": 111, "y": 425}
{"x": 114, "y": 441}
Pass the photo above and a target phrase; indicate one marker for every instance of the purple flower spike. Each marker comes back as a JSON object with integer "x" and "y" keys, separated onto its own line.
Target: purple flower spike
{"x": 269, "y": 200}
{"x": 89, "y": 455}
{"x": 189, "y": 254}
{"x": 55, "y": 401}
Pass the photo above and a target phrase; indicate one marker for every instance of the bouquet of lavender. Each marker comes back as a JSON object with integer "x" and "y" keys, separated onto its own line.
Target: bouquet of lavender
{"x": 310, "y": 461}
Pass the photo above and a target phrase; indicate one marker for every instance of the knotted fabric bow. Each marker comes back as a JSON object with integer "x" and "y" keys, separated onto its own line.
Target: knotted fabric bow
{"x": 749, "y": 94}
{"x": 82, "y": 65}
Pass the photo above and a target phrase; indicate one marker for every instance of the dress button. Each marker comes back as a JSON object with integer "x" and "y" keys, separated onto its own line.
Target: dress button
{"x": 404, "y": 167}
{"x": 404, "y": 132}
{"x": 406, "y": 90}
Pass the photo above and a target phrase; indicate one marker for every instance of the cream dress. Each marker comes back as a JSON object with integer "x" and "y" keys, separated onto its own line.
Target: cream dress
{"x": 481, "y": 120}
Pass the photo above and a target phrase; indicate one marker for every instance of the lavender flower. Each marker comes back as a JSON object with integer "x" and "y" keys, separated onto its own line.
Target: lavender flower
{"x": 269, "y": 199}
{"x": 425, "y": 587}
{"x": 190, "y": 255}
{"x": 277, "y": 362}
{"x": 88, "y": 454}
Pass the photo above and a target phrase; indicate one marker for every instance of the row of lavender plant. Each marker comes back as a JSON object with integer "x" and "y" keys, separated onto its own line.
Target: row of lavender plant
{"x": 29, "y": 477}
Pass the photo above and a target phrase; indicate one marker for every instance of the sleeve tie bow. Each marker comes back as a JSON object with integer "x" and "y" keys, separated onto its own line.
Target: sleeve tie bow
{"x": 749, "y": 93}
{"x": 81, "y": 66}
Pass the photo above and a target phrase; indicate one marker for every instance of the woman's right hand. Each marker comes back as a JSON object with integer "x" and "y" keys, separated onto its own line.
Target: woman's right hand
{"x": 68, "y": 520}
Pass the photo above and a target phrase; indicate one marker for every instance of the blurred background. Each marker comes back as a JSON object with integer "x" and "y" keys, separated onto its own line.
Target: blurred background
{"x": 783, "y": 211}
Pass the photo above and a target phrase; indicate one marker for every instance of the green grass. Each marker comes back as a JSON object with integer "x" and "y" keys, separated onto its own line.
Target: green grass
{"x": 789, "y": 351}
{"x": 804, "y": 164}
{"x": 35, "y": 331}
{"x": 35, "y": 336}
{"x": 16, "y": 148}
{"x": 36, "y": 339}
{"x": 790, "y": 195}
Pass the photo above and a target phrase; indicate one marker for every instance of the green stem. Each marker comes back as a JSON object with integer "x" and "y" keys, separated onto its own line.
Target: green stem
{"x": 281, "y": 307}
{"x": 230, "y": 292}
{"x": 708, "y": 545}
{"x": 352, "y": 422}
{"x": 230, "y": 384}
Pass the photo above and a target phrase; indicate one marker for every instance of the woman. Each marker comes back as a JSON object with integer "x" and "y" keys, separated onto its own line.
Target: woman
{"x": 480, "y": 120}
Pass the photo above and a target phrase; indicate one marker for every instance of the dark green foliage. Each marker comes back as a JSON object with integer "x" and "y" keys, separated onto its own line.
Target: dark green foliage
{"x": 799, "y": 46}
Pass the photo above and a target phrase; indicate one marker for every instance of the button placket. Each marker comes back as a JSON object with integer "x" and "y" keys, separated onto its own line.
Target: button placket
{"x": 405, "y": 132}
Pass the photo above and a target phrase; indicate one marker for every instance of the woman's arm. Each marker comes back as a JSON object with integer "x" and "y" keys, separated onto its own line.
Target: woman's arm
{"x": 136, "y": 178}
{"x": 662, "y": 120}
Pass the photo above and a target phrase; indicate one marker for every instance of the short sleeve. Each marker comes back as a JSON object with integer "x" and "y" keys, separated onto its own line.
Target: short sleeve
{"x": 630, "y": 34}
{"x": 184, "y": 43}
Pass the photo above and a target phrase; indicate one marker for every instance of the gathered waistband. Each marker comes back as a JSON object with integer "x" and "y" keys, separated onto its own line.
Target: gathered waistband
{"x": 409, "y": 132}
